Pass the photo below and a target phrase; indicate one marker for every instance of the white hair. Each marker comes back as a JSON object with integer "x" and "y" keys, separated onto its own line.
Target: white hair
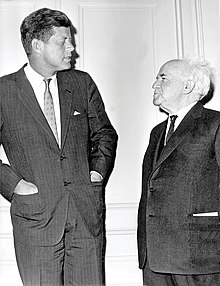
{"x": 199, "y": 70}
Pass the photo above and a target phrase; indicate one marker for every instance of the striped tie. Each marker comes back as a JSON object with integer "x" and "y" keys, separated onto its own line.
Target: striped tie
{"x": 49, "y": 108}
{"x": 171, "y": 128}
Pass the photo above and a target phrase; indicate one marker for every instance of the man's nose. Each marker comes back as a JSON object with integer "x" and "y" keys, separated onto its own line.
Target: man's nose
{"x": 155, "y": 84}
{"x": 70, "y": 47}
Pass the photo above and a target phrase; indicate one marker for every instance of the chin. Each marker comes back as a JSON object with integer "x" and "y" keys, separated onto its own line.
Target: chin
{"x": 68, "y": 65}
{"x": 65, "y": 67}
{"x": 156, "y": 103}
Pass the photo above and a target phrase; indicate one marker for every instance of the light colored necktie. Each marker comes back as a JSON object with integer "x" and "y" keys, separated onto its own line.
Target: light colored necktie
{"x": 171, "y": 128}
{"x": 49, "y": 108}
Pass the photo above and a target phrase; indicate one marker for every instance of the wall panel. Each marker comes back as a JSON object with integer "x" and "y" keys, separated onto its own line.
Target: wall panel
{"x": 121, "y": 44}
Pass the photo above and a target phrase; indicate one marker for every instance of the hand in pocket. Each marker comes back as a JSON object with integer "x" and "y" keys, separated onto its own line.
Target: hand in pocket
{"x": 25, "y": 188}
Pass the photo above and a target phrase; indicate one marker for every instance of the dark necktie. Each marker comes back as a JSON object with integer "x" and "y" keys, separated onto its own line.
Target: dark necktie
{"x": 49, "y": 108}
{"x": 171, "y": 128}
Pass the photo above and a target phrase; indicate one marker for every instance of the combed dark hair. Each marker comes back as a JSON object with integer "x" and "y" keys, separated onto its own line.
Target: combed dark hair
{"x": 39, "y": 25}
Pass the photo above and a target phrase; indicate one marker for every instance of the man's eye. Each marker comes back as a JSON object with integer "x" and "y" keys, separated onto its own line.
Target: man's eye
{"x": 65, "y": 41}
{"x": 164, "y": 79}
{"x": 61, "y": 43}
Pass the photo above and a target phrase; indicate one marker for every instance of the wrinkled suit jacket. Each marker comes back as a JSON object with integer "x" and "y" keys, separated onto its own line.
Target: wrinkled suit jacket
{"x": 88, "y": 142}
{"x": 183, "y": 181}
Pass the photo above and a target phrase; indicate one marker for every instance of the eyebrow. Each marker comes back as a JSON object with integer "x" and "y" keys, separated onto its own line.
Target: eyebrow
{"x": 160, "y": 75}
{"x": 67, "y": 38}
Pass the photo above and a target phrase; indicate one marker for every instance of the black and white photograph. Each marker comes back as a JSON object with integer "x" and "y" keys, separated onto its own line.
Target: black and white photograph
{"x": 110, "y": 142}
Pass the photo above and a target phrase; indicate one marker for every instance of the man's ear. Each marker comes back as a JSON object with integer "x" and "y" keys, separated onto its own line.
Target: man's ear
{"x": 37, "y": 46}
{"x": 189, "y": 86}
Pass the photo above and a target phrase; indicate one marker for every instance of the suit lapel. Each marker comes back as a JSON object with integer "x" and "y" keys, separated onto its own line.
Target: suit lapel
{"x": 66, "y": 87}
{"x": 185, "y": 127}
{"x": 160, "y": 142}
{"x": 28, "y": 98}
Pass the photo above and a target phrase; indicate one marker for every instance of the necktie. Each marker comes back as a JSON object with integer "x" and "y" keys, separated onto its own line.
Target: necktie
{"x": 171, "y": 128}
{"x": 49, "y": 108}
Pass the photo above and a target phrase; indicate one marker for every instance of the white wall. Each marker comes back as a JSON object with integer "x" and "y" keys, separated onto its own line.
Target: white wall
{"x": 122, "y": 44}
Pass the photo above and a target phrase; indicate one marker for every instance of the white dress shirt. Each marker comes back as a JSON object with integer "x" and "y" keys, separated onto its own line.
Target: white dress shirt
{"x": 180, "y": 115}
{"x": 38, "y": 85}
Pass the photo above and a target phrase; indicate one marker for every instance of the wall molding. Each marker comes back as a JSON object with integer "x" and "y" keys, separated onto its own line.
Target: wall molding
{"x": 126, "y": 205}
{"x": 6, "y": 236}
{"x": 5, "y": 209}
{"x": 126, "y": 215}
{"x": 127, "y": 208}
{"x": 8, "y": 262}
{"x": 199, "y": 28}
{"x": 112, "y": 258}
{"x": 126, "y": 284}
{"x": 125, "y": 231}
{"x": 82, "y": 7}
{"x": 179, "y": 28}
{"x": 8, "y": 4}
{"x": 189, "y": 28}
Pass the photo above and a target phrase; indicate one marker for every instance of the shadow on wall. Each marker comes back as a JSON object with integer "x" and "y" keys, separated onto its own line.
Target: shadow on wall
{"x": 75, "y": 55}
{"x": 209, "y": 95}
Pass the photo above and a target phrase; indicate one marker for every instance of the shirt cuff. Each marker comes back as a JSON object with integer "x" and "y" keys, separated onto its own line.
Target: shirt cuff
{"x": 95, "y": 176}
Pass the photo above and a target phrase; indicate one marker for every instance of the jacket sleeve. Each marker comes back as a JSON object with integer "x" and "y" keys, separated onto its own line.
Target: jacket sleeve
{"x": 8, "y": 178}
{"x": 103, "y": 137}
{"x": 217, "y": 146}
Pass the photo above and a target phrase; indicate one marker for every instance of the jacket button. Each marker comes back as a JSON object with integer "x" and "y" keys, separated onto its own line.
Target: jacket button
{"x": 67, "y": 183}
{"x": 62, "y": 158}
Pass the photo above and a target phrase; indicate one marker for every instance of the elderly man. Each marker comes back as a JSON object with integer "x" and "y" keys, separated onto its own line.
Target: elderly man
{"x": 178, "y": 219}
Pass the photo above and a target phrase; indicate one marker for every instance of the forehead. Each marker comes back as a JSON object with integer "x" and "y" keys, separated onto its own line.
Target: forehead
{"x": 171, "y": 69}
{"x": 61, "y": 32}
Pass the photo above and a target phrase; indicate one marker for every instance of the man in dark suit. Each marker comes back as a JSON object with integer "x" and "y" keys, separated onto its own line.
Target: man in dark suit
{"x": 61, "y": 147}
{"x": 178, "y": 219}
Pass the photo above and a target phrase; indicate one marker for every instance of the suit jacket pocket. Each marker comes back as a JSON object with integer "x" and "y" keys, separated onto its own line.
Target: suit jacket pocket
{"x": 204, "y": 223}
{"x": 28, "y": 205}
{"x": 98, "y": 195}
{"x": 78, "y": 115}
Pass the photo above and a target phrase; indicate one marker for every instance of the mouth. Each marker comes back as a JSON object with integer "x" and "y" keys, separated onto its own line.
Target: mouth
{"x": 67, "y": 59}
{"x": 156, "y": 96}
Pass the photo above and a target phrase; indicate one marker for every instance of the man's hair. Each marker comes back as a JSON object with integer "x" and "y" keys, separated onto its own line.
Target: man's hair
{"x": 199, "y": 70}
{"x": 39, "y": 25}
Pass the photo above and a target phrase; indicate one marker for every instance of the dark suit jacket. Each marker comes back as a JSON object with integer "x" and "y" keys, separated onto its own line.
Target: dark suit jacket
{"x": 88, "y": 143}
{"x": 182, "y": 182}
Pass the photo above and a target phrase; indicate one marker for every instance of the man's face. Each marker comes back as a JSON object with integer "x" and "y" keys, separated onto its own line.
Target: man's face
{"x": 168, "y": 87}
{"x": 56, "y": 52}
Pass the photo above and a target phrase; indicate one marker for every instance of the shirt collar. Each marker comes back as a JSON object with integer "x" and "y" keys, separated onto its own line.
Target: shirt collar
{"x": 182, "y": 112}
{"x": 35, "y": 78}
